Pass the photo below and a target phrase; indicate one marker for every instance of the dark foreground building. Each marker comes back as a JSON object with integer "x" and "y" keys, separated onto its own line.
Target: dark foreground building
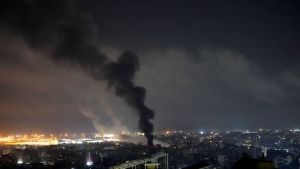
{"x": 199, "y": 166}
{"x": 247, "y": 163}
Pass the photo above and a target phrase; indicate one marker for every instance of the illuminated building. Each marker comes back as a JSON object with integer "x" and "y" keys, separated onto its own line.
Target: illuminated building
{"x": 37, "y": 140}
{"x": 222, "y": 159}
{"x": 19, "y": 154}
{"x": 157, "y": 159}
{"x": 7, "y": 150}
{"x": 89, "y": 160}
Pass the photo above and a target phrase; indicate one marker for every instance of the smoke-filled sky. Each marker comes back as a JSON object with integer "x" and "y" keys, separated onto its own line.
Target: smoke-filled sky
{"x": 204, "y": 64}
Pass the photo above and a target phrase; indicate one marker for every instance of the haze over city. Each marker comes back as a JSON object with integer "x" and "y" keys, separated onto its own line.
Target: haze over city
{"x": 205, "y": 65}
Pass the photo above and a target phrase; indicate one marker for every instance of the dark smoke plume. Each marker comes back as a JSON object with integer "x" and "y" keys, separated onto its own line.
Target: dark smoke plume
{"x": 56, "y": 27}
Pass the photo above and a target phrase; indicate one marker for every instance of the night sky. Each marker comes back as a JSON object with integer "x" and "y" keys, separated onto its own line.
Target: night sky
{"x": 205, "y": 65}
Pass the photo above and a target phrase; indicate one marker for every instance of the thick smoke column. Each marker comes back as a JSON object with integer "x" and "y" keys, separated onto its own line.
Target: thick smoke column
{"x": 55, "y": 27}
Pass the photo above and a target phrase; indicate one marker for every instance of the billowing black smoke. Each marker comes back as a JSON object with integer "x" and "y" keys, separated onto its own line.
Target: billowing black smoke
{"x": 54, "y": 26}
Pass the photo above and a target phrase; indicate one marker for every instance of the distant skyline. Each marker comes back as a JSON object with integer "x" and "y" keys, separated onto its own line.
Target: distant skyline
{"x": 205, "y": 65}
